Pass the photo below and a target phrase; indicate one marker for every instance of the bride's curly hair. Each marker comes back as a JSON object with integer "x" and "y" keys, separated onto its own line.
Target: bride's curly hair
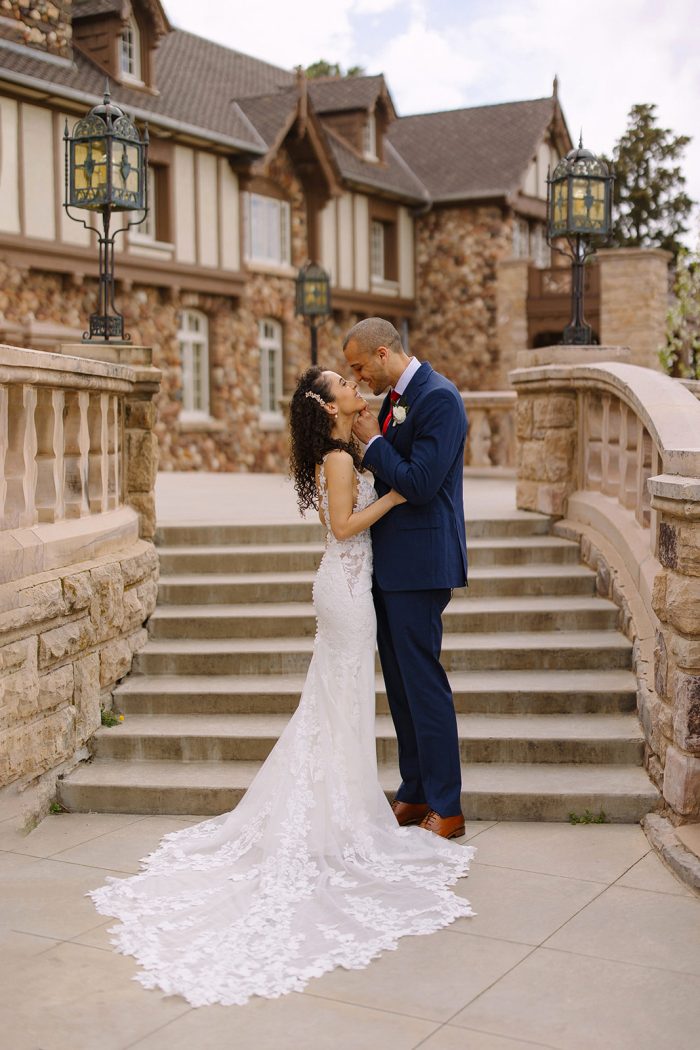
{"x": 310, "y": 428}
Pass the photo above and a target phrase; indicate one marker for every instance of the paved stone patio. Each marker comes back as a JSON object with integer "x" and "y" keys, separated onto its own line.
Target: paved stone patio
{"x": 583, "y": 940}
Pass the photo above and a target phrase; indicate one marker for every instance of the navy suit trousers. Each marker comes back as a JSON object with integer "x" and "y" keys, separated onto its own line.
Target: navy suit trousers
{"x": 409, "y": 638}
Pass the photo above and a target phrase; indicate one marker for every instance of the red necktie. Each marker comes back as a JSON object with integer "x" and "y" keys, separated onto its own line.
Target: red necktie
{"x": 394, "y": 398}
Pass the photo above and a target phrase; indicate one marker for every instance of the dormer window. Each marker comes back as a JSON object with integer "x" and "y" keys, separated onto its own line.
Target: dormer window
{"x": 130, "y": 51}
{"x": 369, "y": 138}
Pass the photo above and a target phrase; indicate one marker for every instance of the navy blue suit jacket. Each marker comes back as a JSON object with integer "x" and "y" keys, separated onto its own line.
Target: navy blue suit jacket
{"x": 421, "y": 544}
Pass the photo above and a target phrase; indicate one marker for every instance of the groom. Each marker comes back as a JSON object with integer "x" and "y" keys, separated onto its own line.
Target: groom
{"x": 417, "y": 447}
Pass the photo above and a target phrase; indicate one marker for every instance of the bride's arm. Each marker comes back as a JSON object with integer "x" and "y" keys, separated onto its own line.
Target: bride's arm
{"x": 339, "y": 479}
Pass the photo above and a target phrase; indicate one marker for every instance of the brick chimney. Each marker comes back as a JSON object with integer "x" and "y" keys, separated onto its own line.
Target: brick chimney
{"x": 41, "y": 24}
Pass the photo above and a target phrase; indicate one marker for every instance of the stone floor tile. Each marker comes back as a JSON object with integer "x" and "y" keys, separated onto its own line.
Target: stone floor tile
{"x": 78, "y": 998}
{"x": 650, "y": 873}
{"x": 427, "y": 977}
{"x": 122, "y": 849}
{"x": 573, "y": 1002}
{"x": 97, "y": 937}
{"x": 599, "y": 852}
{"x": 60, "y": 831}
{"x": 46, "y": 897}
{"x": 518, "y": 905}
{"x": 451, "y": 1038}
{"x": 474, "y": 828}
{"x": 16, "y": 946}
{"x": 292, "y": 1022}
{"x": 658, "y": 929}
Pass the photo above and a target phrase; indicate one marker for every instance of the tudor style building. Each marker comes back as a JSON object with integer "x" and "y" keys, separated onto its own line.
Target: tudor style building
{"x": 253, "y": 170}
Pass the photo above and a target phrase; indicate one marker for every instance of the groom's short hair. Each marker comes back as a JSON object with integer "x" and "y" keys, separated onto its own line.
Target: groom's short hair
{"x": 372, "y": 332}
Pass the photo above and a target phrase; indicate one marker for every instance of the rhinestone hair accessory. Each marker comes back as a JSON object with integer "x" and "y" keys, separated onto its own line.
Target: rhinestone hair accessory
{"x": 316, "y": 397}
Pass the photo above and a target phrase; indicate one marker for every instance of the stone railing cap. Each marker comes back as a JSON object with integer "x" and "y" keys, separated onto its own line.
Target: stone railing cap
{"x": 44, "y": 360}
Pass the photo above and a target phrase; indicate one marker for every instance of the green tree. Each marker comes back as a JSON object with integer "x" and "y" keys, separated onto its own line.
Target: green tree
{"x": 331, "y": 69}
{"x": 681, "y": 354}
{"x": 651, "y": 206}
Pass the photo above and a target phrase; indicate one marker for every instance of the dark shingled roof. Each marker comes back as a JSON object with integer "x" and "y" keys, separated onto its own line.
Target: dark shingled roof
{"x": 337, "y": 94}
{"x": 270, "y": 113}
{"x": 199, "y": 83}
{"x": 88, "y": 8}
{"x": 470, "y": 153}
{"x": 393, "y": 176}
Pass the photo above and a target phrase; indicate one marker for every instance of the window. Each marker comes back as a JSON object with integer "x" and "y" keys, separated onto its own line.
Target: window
{"x": 156, "y": 225}
{"x": 130, "y": 51}
{"x": 148, "y": 227}
{"x": 267, "y": 229}
{"x": 521, "y": 238}
{"x": 270, "y": 343}
{"x": 539, "y": 249}
{"x": 377, "y": 251}
{"x": 369, "y": 137}
{"x": 530, "y": 242}
{"x": 383, "y": 254}
{"x": 194, "y": 355}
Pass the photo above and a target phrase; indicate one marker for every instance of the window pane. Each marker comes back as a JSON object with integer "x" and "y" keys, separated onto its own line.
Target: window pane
{"x": 377, "y": 250}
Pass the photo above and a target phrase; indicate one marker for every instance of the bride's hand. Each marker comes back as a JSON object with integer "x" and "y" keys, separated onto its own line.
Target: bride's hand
{"x": 397, "y": 498}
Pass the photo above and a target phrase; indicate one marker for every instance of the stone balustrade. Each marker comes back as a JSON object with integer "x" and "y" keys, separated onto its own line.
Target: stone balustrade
{"x": 78, "y": 569}
{"x": 613, "y": 450}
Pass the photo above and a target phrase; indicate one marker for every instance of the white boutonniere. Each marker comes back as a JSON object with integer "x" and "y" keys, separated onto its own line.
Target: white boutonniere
{"x": 399, "y": 411}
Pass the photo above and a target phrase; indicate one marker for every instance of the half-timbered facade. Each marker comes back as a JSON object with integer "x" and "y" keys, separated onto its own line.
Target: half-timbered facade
{"x": 252, "y": 171}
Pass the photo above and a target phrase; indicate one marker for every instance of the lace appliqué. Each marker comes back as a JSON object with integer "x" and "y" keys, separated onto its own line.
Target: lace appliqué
{"x": 310, "y": 870}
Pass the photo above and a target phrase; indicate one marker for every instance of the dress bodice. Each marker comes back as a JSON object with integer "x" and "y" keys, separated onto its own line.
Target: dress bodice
{"x": 354, "y": 553}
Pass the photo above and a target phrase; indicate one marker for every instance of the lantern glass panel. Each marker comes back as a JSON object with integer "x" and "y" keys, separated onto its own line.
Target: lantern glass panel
{"x": 315, "y": 296}
{"x": 559, "y": 206}
{"x": 126, "y": 181}
{"x": 588, "y": 205}
{"x": 89, "y": 173}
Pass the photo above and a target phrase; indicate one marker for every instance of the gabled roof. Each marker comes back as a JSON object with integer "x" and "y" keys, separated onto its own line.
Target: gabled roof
{"x": 466, "y": 154}
{"x": 393, "y": 176}
{"x": 95, "y": 8}
{"x": 340, "y": 94}
{"x": 271, "y": 114}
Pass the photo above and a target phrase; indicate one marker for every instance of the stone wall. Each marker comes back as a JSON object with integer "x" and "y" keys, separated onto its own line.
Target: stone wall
{"x": 68, "y": 637}
{"x": 458, "y": 251}
{"x": 44, "y": 24}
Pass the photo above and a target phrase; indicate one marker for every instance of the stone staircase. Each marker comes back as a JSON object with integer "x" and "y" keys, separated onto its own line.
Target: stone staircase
{"x": 542, "y": 679}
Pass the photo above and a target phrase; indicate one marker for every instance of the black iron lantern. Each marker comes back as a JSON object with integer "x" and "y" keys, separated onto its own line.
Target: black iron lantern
{"x": 313, "y": 300}
{"x": 579, "y": 211}
{"x": 106, "y": 171}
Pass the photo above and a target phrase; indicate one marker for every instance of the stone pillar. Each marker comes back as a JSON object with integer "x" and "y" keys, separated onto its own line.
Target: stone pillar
{"x": 634, "y": 301}
{"x": 676, "y": 601}
{"x": 511, "y": 315}
{"x": 139, "y": 442}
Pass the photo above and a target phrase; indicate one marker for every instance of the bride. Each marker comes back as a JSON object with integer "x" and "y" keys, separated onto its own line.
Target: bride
{"x": 310, "y": 870}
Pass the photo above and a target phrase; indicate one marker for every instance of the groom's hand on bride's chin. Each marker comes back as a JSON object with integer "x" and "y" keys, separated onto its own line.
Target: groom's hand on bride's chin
{"x": 366, "y": 426}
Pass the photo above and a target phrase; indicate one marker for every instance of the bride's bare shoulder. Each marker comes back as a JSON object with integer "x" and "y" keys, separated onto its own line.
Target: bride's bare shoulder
{"x": 337, "y": 461}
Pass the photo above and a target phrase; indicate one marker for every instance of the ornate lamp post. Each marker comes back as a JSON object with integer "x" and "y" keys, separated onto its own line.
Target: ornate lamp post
{"x": 313, "y": 302}
{"x": 579, "y": 210}
{"x": 106, "y": 172}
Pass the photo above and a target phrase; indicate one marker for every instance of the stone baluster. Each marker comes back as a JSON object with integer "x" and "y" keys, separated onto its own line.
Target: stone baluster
{"x": 20, "y": 464}
{"x": 77, "y": 447}
{"x": 4, "y": 434}
{"x": 479, "y": 443}
{"x": 49, "y": 454}
{"x": 98, "y": 457}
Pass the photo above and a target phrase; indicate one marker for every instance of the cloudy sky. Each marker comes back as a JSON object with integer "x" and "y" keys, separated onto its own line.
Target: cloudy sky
{"x": 443, "y": 54}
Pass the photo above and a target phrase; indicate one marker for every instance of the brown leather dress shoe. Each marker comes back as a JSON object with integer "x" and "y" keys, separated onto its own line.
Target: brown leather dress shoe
{"x": 446, "y": 827}
{"x": 409, "y": 812}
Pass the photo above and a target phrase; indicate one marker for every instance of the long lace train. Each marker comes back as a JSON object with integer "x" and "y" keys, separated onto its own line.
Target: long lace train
{"x": 310, "y": 870}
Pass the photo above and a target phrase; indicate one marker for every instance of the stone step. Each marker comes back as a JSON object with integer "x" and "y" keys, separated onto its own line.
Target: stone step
{"x": 609, "y": 739}
{"x": 520, "y": 523}
{"x": 488, "y": 581}
{"x": 489, "y": 791}
{"x": 478, "y": 692}
{"x": 503, "y": 650}
{"x": 300, "y": 557}
{"x": 296, "y": 619}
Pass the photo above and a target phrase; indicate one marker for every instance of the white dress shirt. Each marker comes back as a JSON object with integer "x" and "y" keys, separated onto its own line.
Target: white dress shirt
{"x": 403, "y": 381}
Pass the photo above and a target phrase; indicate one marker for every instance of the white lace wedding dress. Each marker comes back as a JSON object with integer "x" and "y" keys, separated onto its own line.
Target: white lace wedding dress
{"x": 310, "y": 870}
